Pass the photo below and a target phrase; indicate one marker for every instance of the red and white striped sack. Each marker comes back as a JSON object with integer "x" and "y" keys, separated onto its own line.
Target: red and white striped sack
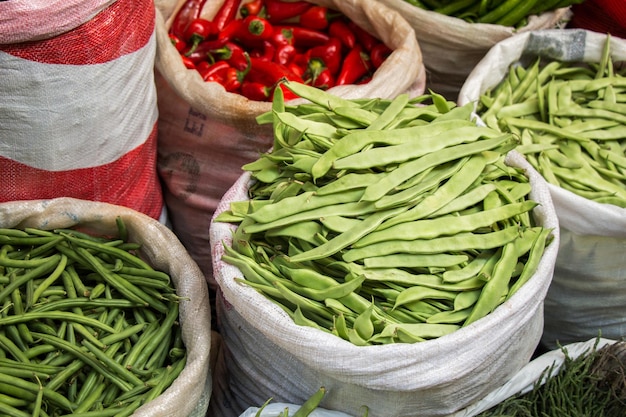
{"x": 78, "y": 113}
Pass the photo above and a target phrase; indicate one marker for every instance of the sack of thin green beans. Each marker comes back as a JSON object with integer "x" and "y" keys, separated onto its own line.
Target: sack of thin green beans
{"x": 102, "y": 312}
{"x": 568, "y": 108}
{"x": 577, "y": 379}
{"x": 392, "y": 251}
{"x": 455, "y": 34}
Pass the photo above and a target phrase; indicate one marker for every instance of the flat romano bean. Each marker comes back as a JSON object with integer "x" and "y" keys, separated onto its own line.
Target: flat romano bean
{"x": 536, "y": 252}
{"x": 412, "y": 167}
{"x": 459, "y": 242}
{"x": 496, "y": 286}
{"x": 384, "y": 155}
{"x": 360, "y": 139}
{"x": 470, "y": 198}
{"x": 346, "y": 209}
{"x": 348, "y": 237}
{"x": 419, "y": 331}
{"x": 415, "y": 260}
{"x": 446, "y": 225}
{"x": 446, "y": 193}
{"x": 302, "y": 202}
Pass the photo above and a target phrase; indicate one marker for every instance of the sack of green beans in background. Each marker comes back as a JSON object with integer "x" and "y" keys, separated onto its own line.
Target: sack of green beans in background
{"x": 374, "y": 240}
{"x": 453, "y": 43}
{"x": 103, "y": 311}
{"x": 568, "y": 110}
{"x": 576, "y": 379}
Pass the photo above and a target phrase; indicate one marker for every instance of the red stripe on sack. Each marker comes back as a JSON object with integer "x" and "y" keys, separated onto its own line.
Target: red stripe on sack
{"x": 120, "y": 29}
{"x": 603, "y": 16}
{"x": 131, "y": 181}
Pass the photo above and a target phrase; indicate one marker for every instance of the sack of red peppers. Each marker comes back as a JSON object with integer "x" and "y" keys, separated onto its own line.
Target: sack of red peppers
{"x": 78, "y": 109}
{"x": 215, "y": 75}
{"x": 454, "y": 35}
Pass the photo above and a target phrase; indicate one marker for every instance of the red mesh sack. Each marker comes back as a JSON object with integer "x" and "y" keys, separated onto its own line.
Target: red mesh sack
{"x": 604, "y": 16}
{"x": 78, "y": 115}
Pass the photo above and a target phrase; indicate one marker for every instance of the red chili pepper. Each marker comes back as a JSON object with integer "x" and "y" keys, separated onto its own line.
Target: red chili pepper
{"x": 282, "y": 37}
{"x": 324, "y": 80}
{"x": 254, "y": 90}
{"x": 250, "y": 31}
{"x": 272, "y": 71}
{"x": 233, "y": 78}
{"x": 364, "y": 80}
{"x": 178, "y": 43}
{"x": 303, "y": 37}
{"x": 252, "y": 8}
{"x": 204, "y": 50}
{"x": 215, "y": 72}
{"x": 190, "y": 11}
{"x": 324, "y": 56}
{"x": 280, "y": 10}
{"x": 198, "y": 30}
{"x": 356, "y": 64}
{"x": 296, "y": 69}
{"x": 363, "y": 37}
{"x": 285, "y": 53}
{"x": 188, "y": 63}
{"x": 203, "y": 65}
{"x": 234, "y": 54}
{"x": 339, "y": 29}
{"x": 379, "y": 54}
{"x": 287, "y": 93}
{"x": 267, "y": 51}
{"x": 226, "y": 14}
{"x": 316, "y": 17}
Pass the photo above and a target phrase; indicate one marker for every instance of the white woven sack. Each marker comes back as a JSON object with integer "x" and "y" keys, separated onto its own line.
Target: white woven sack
{"x": 275, "y": 409}
{"x": 267, "y": 355}
{"x": 588, "y": 292}
{"x": 189, "y": 394}
{"x": 531, "y": 374}
{"x": 452, "y": 47}
{"x": 206, "y": 134}
{"x": 78, "y": 107}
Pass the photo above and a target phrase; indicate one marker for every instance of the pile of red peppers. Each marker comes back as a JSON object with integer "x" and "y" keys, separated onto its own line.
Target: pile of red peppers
{"x": 249, "y": 47}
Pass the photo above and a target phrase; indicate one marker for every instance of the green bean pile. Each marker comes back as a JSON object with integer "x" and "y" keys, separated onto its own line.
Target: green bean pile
{"x": 513, "y": 13}
{"x": 384, "y": 221}
{"x": 87, "y": 328}
{"x": 571, "y": 120}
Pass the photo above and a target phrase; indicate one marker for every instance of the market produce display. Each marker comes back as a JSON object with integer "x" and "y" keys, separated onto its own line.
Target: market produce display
{"x": 249, "y": 47}
{"x": 498, "y": 12}
{"x": 86, "y": 326}
{"x": 570, "y": 120}
{"x": 384, "y": 221}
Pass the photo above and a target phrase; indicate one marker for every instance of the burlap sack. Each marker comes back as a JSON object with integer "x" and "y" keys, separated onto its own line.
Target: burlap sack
{"x": 189, "y": 394}
{"x": 587, "y": 295}
{"x": 78, "y": 109}
{"x": 268, "y": 355}
{"x": 451, "y": 47}
{"x": 206, "y": 134}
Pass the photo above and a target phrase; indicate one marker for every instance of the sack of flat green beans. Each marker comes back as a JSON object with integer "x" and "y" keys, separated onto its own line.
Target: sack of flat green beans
{"x": 348, "y": 269}
{"x": 206, "y": 133}
{"x": 104, "y": 309}
{"x": 575, "y": 140}
{"x": 454, "y": 41}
